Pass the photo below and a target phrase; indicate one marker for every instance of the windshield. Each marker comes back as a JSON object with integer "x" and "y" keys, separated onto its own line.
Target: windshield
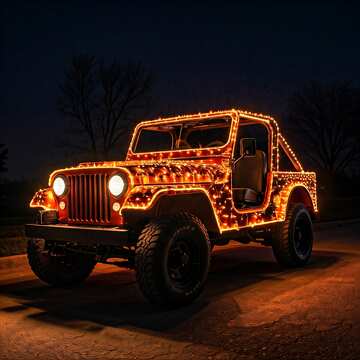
{"x": 197, "y": 134}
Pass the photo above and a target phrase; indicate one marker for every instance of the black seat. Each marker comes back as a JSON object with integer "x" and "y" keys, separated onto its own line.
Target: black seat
{"x": 249, "y": 178}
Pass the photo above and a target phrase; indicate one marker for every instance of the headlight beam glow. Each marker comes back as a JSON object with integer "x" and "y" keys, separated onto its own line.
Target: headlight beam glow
{"x": 116, "y": 185}
{"x": 59, "y": 186}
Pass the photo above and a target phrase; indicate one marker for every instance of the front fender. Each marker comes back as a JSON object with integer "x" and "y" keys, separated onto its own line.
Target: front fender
{"x": 45, "y": 199}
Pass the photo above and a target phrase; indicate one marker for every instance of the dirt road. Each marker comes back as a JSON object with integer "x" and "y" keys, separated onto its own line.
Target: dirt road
{"x": 250, "y": 310}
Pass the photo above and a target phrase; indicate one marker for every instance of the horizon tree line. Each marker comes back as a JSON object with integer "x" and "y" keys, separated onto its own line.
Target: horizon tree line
{"x": 324, "y": 122}
{"x": 3, "y": 157}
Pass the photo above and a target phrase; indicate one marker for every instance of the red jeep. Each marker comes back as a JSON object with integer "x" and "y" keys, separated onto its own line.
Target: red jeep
{"x": 187, "y": 183}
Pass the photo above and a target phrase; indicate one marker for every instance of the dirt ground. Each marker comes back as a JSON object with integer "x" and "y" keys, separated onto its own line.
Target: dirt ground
{"x": 250, "y": 310}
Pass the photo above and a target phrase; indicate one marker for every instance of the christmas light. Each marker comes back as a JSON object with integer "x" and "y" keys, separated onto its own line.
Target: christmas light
{"x": 203, "y": 170}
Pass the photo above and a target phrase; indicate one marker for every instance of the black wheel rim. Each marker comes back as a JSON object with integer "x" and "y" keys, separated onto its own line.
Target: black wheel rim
{"x": 303, "y": 237}
{"x": 183, "y": 263}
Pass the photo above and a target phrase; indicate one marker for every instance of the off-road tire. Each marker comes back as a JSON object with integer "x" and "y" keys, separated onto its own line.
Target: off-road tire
{"x": 65, "y": 270}
{"x": 291, "y": 249}
{"x": 154, "y": 259}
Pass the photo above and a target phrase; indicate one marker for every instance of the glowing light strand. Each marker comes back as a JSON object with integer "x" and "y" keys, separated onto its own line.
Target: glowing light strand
{"x": 206, "y": 170}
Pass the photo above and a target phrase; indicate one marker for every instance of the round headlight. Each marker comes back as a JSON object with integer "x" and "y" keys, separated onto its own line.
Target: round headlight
{"x": 59, "y": 186}
{"x": 116, "y": 185}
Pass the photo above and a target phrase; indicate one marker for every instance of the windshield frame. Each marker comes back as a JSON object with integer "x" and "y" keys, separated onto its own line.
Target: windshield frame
{"x": 180, "y": 121}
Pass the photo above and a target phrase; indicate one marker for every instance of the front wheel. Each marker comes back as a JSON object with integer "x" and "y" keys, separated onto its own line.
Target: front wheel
{"x": 57, "y": 266}
{"x": 293, "y": 242}
{"x": 172, "y": 259}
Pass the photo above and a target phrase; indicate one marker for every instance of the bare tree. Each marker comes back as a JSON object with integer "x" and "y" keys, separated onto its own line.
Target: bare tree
{"x": 102, "y": 101}
{"x": 3, "y": 157}
{"x": 324, "y": 119}
{"x": 77, "y": 101}
{"x": 125, "y": 93}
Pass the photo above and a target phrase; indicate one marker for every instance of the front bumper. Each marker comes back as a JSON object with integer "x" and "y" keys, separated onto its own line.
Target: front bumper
{"x": 81, "y": 235}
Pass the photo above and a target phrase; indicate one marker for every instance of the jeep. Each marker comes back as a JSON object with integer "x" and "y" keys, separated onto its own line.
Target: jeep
{"x": 187, "y": 183}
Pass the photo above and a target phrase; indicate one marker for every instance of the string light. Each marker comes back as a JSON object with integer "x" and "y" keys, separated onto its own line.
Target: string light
{"x": 44, "y": 199}
{"x": 205, "y": 170}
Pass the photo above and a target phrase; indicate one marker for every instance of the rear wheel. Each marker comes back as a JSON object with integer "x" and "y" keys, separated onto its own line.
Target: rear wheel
{"x": 172, "y": 259}
{"x": 293, "y": 242}
{"x": 58, "y": 266}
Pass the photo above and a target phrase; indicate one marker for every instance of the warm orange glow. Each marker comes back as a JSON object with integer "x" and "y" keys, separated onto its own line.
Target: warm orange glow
{"x": 205, "y": 170}
{"x": 44, "y": 199}
{"x": 290, "y": 153}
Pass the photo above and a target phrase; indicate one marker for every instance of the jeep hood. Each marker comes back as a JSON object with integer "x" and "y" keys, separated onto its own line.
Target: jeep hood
{"x": 157, "y": 172}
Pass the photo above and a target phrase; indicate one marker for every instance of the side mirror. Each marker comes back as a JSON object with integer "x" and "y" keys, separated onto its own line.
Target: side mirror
{"x": 247, "y": 147}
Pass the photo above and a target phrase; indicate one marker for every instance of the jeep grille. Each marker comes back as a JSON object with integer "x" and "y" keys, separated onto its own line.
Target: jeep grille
{"x": 89, "y": 200}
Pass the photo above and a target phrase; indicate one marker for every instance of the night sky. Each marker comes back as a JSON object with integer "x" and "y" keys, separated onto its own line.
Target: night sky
{"x": 209, "y": 56}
